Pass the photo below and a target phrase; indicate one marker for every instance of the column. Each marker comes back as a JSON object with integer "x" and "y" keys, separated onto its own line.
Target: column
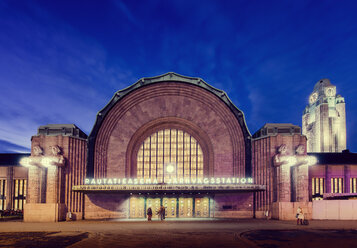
{"x": 284, "y": 183}
{"x": 52, "y": 184}
{"x": 34, "y": 181}
{"x": 302, "y": 184}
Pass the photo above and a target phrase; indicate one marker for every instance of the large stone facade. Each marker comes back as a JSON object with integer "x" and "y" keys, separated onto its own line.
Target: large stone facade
{"x": 280, "y": 162}
{"x": 169, "y": 102}
{"x": 53, "y": 172}
{"x": 324, "y": 119}
{"x": 188, "y": 125}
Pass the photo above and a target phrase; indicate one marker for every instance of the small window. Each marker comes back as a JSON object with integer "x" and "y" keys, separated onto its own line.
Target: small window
{"x": 353, "y": 183}
{"x": 2, "y": 194}
{"x": 317, "y": 188}
{"x": 337, "y": 185}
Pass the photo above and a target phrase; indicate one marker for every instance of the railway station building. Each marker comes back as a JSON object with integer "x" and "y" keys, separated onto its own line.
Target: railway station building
{"x": 178, "y": 142}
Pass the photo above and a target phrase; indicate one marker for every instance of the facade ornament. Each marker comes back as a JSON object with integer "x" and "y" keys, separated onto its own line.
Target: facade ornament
{"x": 37, "y": 150}
{"x": 281, "y": 158}
{"x": 302, "y": 158}
{"x": 56, "y": 159}
{"x": 39, "y": 160}
{"x": 300, "y": 150}
{"x": 35, "y": 159}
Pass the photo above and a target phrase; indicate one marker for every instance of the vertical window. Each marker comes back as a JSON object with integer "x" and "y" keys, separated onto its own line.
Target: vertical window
{"x": 353, "y": 183}
{"x": 337, "y": 185}
{"x": 317, "y": 188}
{"x": 2, "y": 194}
{"x": 170, "y": 146}
{"x": 19, "y": 194}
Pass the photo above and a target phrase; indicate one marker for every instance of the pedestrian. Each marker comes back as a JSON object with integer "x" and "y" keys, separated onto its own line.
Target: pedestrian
{"x": 159, "y": 213}
{"x": 149, "y": 213}
{"x": 299, "y": 216}
{"x": 163, "y": 212}
{"x": 267, "y": 214}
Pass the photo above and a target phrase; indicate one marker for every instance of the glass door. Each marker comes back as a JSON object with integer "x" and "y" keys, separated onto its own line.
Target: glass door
{"x": 154, "y": 204}
{"x": 202, "y": 207}
{"x": 136, "y": 207}
{"x": 170, "y": 205}
{"x": 185, "y": 207}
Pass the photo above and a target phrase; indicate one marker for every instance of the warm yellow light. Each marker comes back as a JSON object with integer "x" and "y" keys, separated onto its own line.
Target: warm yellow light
{"x": 290, "y": 160}
{"x": 46, "y": 162}
{"x": 25, "y": 162}
{"x": 170, "y": 168}
{"x": 311, "y": 160}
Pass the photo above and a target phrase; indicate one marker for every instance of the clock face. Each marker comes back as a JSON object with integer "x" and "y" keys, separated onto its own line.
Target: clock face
{"x": 313, "y": 98}
{"x": 330, "y": 92}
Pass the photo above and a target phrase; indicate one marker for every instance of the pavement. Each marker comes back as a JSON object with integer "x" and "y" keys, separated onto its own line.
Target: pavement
{"x": 180, "y": 233}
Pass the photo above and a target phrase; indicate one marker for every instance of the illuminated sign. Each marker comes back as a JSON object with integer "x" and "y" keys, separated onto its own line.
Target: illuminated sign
{"x": 175, "y": 181}
{"x": 172, "y": 188}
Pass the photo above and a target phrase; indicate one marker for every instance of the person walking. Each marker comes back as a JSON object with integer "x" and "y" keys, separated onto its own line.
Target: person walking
{"x": 149, "y": 213}
{"x": 159, "y": 213}
{"x": 163, "y": 212}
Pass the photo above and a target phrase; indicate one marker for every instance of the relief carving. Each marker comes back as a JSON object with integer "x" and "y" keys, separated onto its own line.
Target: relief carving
{"x": 56, "y": 159}
{"x": 39, "y": 160}
{"x": 281, "y": 158}
{"x": 302, "y": 158}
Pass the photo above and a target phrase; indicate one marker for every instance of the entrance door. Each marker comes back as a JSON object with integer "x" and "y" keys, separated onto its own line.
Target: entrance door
{"x": 154, "y": 204}
{"x": 170, "y": 205}
{"x": 202, "y": 207}
{"x": 185, "y": 207}
{"x": 137, "y": 209}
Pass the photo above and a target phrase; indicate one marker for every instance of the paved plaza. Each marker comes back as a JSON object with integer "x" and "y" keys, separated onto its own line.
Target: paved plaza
{"x": 173, "y": 233}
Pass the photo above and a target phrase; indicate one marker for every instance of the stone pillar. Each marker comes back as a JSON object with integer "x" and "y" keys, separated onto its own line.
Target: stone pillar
{"x": 284, "y": 183}
{"x": 282, "y": 163}
{"x": 9, "y": 187}
{"x": 52, "y": 184}
{"x": 347, "y": 173}
{"x": 302, "y": 183}
{"x": 34, "y": 180}
{"x": 328, "y": 179}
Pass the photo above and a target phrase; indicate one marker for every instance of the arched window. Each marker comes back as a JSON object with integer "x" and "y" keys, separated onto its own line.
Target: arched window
{"x": 170, "y": 153}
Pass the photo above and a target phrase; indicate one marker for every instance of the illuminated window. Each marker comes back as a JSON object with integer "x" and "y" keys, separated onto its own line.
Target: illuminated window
{"x": 317, "y": 187}
{"x": 353, "y": 183}
{"x": 19, "y": 194}
{"x": 170, "y": 147}
{"x": 337, "y": 185}
{"x": 2, "y": 194}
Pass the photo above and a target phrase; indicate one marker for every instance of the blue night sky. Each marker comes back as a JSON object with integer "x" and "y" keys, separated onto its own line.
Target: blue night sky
{"x": 61, "y": 61}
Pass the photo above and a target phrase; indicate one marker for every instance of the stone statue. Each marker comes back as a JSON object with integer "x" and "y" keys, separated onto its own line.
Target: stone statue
{"x": 282, "y": 158}
{"x": 57, "y": 158}
{"x": 37, "y": 150}
{"x": 303, "y": 158}
{"x": 36, "y": 158}
{"x": 300, "y": 150}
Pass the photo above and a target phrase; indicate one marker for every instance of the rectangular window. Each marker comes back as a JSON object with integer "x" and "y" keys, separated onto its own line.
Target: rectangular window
{"x": 140, "y": 162}
{"x": 20, "y": 194}
{"x": 337, "y": 185}
{"x": 353, "y": 183}
{"x": 2, "y": 194}
{"x": 317, "y": 188}
{"x": 180, "y": 154}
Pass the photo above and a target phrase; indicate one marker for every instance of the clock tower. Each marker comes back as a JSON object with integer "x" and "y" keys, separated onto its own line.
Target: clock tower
{"x": 324, "y": 119}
